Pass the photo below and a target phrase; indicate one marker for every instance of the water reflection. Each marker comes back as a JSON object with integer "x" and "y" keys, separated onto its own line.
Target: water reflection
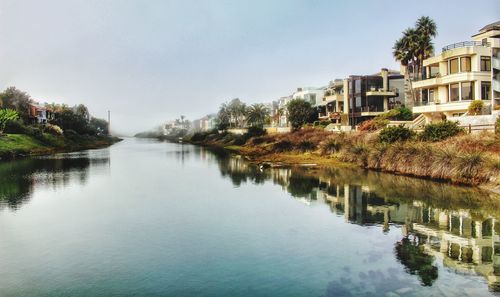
{"x": 439, "y": 223}
{"x": 18, "y": 179}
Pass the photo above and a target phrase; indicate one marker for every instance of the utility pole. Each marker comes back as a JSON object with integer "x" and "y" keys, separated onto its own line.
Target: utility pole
{"x": 109, "y": 122}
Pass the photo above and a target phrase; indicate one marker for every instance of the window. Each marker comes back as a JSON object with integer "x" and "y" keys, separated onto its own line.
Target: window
{"x": 454, "y": 92}
{"x": 465, "y": 64}
{"x": 485, "y": 63}
{"x": 468, "y": 90}
{"x": 453, "y": 67}
{"x": 485, "y": 90}
{"x": 431, "y": 95}
{"x": 427, "y": 95}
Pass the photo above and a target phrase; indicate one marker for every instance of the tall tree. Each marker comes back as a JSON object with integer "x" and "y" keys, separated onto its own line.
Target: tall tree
{"x": 237, "y": 109}
{"x": 257, "y": 115}
{"x": 13, "y": 98}
{"x": 299, "y": 112}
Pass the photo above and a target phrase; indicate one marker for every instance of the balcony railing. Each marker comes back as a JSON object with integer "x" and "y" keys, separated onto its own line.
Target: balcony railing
{"x": 464, "y": 44}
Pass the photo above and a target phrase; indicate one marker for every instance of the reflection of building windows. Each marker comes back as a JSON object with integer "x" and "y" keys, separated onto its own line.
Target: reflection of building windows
{"x": 485, "y": 63}
{"x": 453, "y": 66}
{"x": 485, "y": 90}
{"x": 468, "y": 90}
{"x": 465, "y": 64}
{"x": 454, "y": 92}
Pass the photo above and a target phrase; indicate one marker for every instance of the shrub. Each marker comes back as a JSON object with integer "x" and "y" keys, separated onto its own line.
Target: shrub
{"x": 372, "y": 125}
{"x": 282, "y": 146}
{"x": 405, "y": 114}
{"x": 52, "y": 129}
{"x": 255, "y": 131}
{"x": 469, "y": 164}
{"x": 306, "y": 145}
{"x": 330, "y": 145}
{"x": 299, "y": 112}
{"x": 440, "y": 131}
{"x": 15, "y": 127}
{"x": 199, "y": 136}
{"x": 395, "y": 133}
{"x": 241, "y": 139}
{"x": 7, "y": 115}
{"x": 476, "y": 107}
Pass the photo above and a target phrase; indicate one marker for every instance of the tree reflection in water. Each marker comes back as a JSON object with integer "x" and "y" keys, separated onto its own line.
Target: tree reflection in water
{"x": 411, "y": 254}
{"x": 19, "y": 178}
{"x": 435, "y": 218}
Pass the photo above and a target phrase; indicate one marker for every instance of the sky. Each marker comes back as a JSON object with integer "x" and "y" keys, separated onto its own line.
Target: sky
{"x": 151, "y": 61}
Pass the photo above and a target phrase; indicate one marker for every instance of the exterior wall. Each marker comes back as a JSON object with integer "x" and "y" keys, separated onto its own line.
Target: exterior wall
{"x": 312, "y": 95}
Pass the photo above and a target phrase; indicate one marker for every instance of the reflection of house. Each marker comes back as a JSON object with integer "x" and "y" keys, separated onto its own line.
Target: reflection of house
{"x": 463, "y": 72}
{"x": 39, "y": 114}
{"x": 461, "y": 242}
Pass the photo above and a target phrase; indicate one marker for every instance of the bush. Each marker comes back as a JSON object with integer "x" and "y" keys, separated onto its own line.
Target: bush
{"x": 395, "y": 133}
{"x": 440, "y": 131}
{"x": 241, "y": 139}
{"x": 199, "y": 136}
{"x": 282, "y": 146}
{"x": 476, "y": 107}
{"x": 36, "y": 132}
{"x": 405, "y": 114}
{"x": 15, "y": 127}
{"x": 255, "y": 131}
{"x": 306, "y": 145}
{"x": 330, "y": 145}
{"x": 299, "y": 112}
{"x": 52, "y": 129}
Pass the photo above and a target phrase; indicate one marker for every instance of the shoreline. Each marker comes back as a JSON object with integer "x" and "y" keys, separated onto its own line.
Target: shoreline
{"x": 20, "y": 146}
{"x": 255, "y": 153}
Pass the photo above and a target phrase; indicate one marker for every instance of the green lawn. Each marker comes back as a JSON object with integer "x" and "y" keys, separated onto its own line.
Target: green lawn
{"x": 19, "y": 143}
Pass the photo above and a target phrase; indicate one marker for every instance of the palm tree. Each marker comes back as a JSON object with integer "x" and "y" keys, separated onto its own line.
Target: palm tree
{"x": 413, "y": 48}
{"x": 257, "y": 114}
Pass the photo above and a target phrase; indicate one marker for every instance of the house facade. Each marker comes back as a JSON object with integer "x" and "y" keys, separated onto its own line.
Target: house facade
{"x": 39, "y": 114}
{"x": 310, "y": 94}
{"x": 461, "y": 73}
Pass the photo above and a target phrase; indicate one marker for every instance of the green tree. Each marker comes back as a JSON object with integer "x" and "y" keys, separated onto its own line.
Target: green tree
{"x": 98, "y": 126}
{"x": 257, "y": 114}
{"x": 223, "y": 118}
{"x": 299, "y": 112}
{"x": 17, "y": 100}
{"x": 237, "y": 110}
{"x": 7, "y": 115}
{"x": 414, "y": 46}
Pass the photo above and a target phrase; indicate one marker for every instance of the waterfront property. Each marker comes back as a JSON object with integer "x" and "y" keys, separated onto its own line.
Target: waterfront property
{"x": 40, "y": 114}
{"x": 310, "y": 94}
{"x": 461, "y": 73}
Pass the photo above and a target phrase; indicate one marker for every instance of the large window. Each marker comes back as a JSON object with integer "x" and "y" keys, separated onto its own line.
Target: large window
{"x": 453, "y": 67}
{"x": 485, "y": 90}
{"x": 454, "y": 92}
{"x": 485, "y": 63}
{"x": 427, "y": 96}
{"x": 465, "y": 64}
{"x": 468, "y": 90}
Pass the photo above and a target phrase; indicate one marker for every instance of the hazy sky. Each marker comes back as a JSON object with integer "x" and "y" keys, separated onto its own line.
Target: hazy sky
{"x": 150, "y": 61}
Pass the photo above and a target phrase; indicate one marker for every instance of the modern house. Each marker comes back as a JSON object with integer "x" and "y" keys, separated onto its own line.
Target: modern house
{"x": 310, "y": 94}
{"x": 332, "y": 105}
{"x": 39, "y": 114}
{"x": 366, "y": 96}
{"x": 461, "y": 73}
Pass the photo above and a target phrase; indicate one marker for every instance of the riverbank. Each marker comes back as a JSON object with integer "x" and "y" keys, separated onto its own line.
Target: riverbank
{"x": 464, "y": 159}
{"x": 14, "y": 146}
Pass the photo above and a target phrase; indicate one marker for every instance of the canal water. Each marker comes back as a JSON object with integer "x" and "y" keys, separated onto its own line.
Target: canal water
{"x": 147, "y": 218}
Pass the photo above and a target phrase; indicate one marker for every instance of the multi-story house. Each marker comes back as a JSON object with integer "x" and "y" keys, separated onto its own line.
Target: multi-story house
{"x": 310, "y": 94}
{"x": 40, "y": 114}
{"x": 370, "y": 95}
{"x": 332, "y": 105}
{"x": 282, "y": 112}
{"x": 461, "y": 73}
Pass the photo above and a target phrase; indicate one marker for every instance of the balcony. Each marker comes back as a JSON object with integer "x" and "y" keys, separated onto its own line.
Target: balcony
{"x": 430, "y": 107}
{"x": 464, "y": 44}
{"x": 381, "y": 92}
{"x": 367, "y": 111}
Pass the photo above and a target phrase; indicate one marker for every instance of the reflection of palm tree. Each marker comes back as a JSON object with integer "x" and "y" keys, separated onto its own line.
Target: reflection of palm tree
{"x": 411, "y": 254}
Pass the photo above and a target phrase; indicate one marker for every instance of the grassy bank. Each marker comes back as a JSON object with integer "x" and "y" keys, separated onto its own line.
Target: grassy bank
{"x": 14, "y": 146}
{"x": 464, "y": 159}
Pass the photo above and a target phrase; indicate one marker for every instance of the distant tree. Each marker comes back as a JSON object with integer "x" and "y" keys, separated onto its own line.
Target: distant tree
{"x": 257, "y": 114}
{"x": 98, "y": 126}
{"x": 7, "y": 115}
{"x": 299, "y": 112}
{"x": 17, "y": 100}
{"x": 237, "y": 110}
{"x": 71, "y": 120}
{"x": 82, "y": 111}
{"x": 223, "y": 118}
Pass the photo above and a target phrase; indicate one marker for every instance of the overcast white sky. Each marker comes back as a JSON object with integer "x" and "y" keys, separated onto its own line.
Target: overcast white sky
{"x": 151, "y": 61}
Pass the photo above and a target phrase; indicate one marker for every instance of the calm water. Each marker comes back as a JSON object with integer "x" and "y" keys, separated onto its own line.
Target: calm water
{"x": 145, "y": 218}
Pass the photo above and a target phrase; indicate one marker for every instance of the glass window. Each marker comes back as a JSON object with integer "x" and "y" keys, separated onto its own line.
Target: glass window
{"x": 453, "y": 66}
{"x": 454, "y": 92}
{"x": 425, "y": 95}
{"x": 485, "y": 63}
{"x": 485, "y": 90}
{"x": 468, "y": 90}
{"x": 465, "y": 64}
{"x": 431, "y": 95}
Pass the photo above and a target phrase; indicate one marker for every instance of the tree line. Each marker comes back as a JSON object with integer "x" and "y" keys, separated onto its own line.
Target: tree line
{"x": 15, "y": 106}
